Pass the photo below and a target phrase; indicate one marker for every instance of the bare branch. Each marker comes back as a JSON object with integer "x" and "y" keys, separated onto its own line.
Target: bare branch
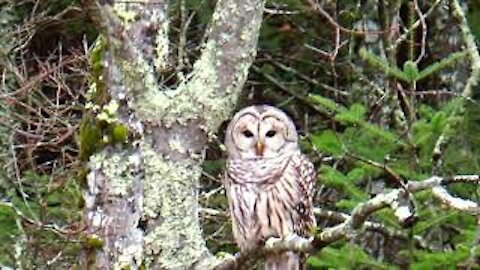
{"x": 413, "y": 26}
{"x": 242, "y": 260}
{"x": 393, "y": 199}
{"x": 456, "y": 203}
{"x": 421, "y": 18}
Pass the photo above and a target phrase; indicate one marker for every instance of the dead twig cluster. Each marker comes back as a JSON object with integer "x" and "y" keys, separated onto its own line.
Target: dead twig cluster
{"x": 42, "y": 98}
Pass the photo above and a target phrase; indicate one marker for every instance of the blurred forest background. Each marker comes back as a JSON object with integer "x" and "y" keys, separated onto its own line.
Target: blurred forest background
{"x": 378, "y": 90}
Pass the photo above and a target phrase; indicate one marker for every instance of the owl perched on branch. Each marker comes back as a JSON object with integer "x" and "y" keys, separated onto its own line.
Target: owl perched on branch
{"x": 269, "y": 183}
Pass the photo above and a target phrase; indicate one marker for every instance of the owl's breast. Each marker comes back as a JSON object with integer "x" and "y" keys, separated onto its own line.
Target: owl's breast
{"x": 263, "y": 211}
{"x": 268, "y": 199}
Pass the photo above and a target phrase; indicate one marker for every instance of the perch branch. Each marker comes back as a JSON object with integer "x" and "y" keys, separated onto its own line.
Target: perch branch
{"x": 372, "y": 226}
{"x": 395, "y": 199}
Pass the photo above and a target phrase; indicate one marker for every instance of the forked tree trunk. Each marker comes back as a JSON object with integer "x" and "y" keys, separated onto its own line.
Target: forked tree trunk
{"x": 141, "y": 201}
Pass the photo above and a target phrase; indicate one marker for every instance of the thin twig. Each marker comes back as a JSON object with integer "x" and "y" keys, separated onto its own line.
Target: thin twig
{"x": 421, "y": 18}
{"x": 30, "y": 84}
{"x": 306, "y": 78}
{"x": 383, "y": 167}
{"x": 299, "y": 96}
{"x": 413, "y": 27}
{"x": 317, "y": 7}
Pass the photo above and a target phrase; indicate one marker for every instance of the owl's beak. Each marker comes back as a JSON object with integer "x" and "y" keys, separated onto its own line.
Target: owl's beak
{"x": 260, "y": 148}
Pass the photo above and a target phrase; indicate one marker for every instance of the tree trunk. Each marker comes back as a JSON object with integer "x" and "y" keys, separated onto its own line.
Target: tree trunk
{"x": 141, "y": 200}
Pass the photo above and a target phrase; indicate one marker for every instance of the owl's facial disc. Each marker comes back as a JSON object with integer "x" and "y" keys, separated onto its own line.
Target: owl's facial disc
{"x": 258, "y": 132}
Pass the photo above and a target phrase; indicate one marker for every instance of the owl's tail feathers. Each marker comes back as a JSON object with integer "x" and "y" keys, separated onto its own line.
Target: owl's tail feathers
{"x": 285, "y": 261}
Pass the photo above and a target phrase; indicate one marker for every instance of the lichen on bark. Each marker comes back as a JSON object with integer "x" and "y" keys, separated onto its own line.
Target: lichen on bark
{"x": 157, "y": 181}
{"x": 169, "y": 194}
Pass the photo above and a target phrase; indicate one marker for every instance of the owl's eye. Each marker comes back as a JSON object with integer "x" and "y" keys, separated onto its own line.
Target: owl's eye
{"x": 271, "y": 133}
{"x": 247, "y": 133}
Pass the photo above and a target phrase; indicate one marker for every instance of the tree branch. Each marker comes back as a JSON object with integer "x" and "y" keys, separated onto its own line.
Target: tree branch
{"x": 395, "y": 199}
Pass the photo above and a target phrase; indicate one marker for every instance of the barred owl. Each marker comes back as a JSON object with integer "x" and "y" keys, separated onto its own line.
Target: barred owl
{"x": 269, "y": 183}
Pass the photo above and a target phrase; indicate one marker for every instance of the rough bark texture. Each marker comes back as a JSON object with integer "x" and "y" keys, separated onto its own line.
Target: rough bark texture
{"x": 141, "y": 201}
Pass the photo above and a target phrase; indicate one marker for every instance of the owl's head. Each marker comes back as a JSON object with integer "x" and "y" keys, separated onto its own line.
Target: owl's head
{"x": 260, "y": 131}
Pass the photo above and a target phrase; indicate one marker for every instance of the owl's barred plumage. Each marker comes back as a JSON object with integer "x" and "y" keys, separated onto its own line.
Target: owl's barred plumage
{"x": 275, "y": 200}
{"x": 269, "y": 196}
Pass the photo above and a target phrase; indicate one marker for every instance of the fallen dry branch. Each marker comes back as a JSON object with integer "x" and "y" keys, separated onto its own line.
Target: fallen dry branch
{"x": 396, "y": 199}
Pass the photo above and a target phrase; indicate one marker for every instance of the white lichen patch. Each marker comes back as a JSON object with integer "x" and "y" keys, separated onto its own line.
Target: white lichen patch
{"x": 96, "y": 161}
{"x": 139, "y": 74}
{"x": 113, "y": 174}
{"x": 92, "y": 89}
{"x": 197, "y": 96}
{"x": 170, "y": 198}
{"x": 111, "y": 107}
{"x": 116, "y": 168}
{"x": 165, "y": 177}
{"x": 97, "y": 218}
{"x": 162, "y": 44}
{"x": 131, "y": 256}
{"x": 92, "y": 106}
{"x": 176, "y": 144}
{"x": 127, "y": 16}
{"x": 117, "y": 171}
{"x": 108, "y": 113}
{"x": 153, "y": 101}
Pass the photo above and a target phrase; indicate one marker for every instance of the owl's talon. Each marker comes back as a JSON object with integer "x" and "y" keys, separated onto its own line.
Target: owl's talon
{"x": 351, "y": 233}
{"x": 225, "y": 256}
{"x": 272, "y": 242}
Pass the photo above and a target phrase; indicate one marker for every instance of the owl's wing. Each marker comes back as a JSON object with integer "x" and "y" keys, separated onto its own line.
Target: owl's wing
{"x": 306, "y": 184}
